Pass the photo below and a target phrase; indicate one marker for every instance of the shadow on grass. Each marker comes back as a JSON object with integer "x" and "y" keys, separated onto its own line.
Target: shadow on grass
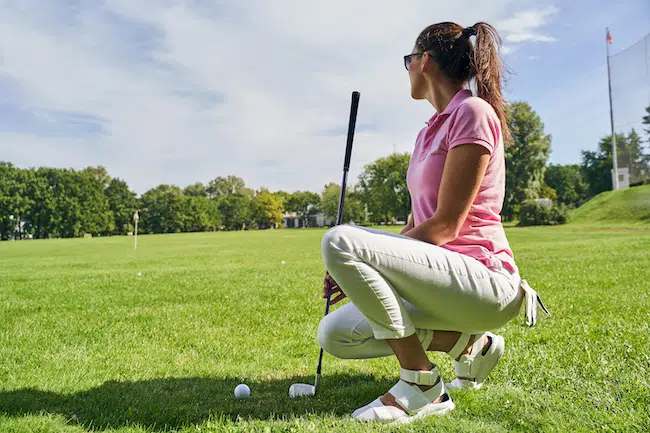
{"x": 163, "y": 404}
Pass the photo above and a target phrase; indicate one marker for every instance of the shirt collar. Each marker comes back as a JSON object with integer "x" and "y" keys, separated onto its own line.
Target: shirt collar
{"x": 459, "y": 97}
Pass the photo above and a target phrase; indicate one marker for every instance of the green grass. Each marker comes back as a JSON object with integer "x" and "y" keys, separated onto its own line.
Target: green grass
{"x": 629, "y": 207}
{"x": 88, "y": 345}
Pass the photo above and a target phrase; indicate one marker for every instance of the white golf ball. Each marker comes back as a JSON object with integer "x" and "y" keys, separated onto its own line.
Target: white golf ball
{"x": 242, "y": 391}
{"x": 139, "y": 274}
{"x": 283, "y": 262}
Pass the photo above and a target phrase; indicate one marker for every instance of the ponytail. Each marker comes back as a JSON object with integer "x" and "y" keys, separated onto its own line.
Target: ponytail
{"x": 487, "y": 68}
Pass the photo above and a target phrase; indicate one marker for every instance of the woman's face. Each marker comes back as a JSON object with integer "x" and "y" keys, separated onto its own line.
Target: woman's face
{"x": 415, "y": 64}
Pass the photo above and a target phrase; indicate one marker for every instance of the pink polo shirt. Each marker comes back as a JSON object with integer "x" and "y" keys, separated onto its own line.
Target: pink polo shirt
{"x": 467, "y": 119}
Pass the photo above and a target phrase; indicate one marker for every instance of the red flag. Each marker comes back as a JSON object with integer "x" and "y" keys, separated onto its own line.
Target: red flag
{"x": 609, "y": 38}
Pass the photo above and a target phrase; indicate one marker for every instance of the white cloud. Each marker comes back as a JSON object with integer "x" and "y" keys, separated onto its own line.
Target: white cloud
{"x": 190, "y": 90}
{"x": 525, "y": 37}
{"x": 524, "y": 26}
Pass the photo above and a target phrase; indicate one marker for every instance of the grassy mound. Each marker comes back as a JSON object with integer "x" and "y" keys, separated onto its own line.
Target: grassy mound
{"x": 627, "y": 207}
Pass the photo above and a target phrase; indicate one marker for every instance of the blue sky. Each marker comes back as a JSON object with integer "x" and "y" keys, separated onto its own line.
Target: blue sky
{"x": 162, "y": 91}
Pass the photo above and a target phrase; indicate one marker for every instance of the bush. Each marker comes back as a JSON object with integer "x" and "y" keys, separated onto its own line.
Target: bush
{"x": 533, "y": 213}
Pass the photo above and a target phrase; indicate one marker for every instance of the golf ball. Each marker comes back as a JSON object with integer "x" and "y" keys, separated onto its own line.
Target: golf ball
{"x": 139, "y": 274}
{"x": 283, "y": 262}
{"x": 242, "y": 391}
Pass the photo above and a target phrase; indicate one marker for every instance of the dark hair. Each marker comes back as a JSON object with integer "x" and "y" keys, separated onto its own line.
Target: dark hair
{"x": 460, "y": 60}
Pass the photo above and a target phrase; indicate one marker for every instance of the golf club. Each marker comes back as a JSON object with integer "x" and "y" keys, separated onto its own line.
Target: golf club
{"x": 303, "y": 389}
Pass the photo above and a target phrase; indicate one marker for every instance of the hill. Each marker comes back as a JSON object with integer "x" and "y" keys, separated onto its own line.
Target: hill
{"x": 626, "y": 207}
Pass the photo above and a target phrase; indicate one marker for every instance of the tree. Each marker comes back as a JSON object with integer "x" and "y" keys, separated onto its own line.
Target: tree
{"x": 236, "y": 210}
{"x": 200, "y": 214}
{"x": 11, "y": 188}
{"x": 547, "y": 192}
{"x": 122, "y": 203}
{"x": 646, "y": 122}
{"x": 39, "y": 221}
{"x": 304, "y": 204}
{"x": 267, "y": 209}
{"x": 353, "y": 209}
{"x": 222, "y": 187}
{"x": 94, "y": 211}
{"x": 196, "y": 190}
{"x": 165, "y": 206}
{"x": 99, "y": 174}
{"x": 383, "y": 187}
{"x": 284, "y": 196}
{"x": 631, "y": 154}
{"x": 525, "y": 158}
{"x": 569, "y": 183}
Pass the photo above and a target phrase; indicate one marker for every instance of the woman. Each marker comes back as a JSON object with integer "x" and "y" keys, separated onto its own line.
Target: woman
{"x": 450, "y": 276}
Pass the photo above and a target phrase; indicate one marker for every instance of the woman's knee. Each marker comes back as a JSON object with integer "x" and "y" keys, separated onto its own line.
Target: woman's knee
{"x": 337, "y": 240}
{"x": 333, "y": 339}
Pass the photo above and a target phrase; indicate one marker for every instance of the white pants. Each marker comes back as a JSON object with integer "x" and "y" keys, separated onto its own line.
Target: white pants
{"x": 399, "y": 286}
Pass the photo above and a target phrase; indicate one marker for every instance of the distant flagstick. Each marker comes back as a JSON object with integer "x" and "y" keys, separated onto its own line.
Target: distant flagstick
{"x": 608, "y": 41}
{"x": 136, "y": 218}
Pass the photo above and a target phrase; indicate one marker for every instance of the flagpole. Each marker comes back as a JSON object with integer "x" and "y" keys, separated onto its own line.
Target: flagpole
{"x": 611, "y": 114}
{"x": 136, "y": 218}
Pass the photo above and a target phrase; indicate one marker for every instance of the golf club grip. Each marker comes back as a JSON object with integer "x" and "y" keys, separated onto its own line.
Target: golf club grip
{"x": 354, "y": 108}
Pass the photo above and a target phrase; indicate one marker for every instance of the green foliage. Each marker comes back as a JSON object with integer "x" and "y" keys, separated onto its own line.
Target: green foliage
{"x": 165, "y": 213}
{"x": 304, "y": 204}
{"x": 632, "y": 155}
{"x": 525, "y": 158}
{"x": 382, "y": 187}
{"x": 548, "y": 192}
{"x": 537, "y": 214}
{"x": 14, "y": 203}
{"x": 569, "y": 183}
{"x": 122, "y": 203}
{"x": 353, "y": 209}
{"x": 268, "y": 209}
{"x": 200, "y": 214}
{"x": 223, "y": 187}
{"x": 236, "y": 211}
{"x": 597, "y": 165}
{"x": 196, "y": 190}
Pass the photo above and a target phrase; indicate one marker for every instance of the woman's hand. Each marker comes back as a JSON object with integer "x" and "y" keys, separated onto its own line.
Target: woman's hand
{"x": 331, "y": 288}
{"x": 409, "y": 225}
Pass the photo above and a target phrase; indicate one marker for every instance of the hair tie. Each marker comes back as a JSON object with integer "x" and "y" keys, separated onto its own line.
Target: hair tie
{"x": 469, "y": 31}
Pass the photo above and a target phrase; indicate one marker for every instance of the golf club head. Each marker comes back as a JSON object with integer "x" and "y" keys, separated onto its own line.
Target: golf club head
{"x": 301, "y": 390}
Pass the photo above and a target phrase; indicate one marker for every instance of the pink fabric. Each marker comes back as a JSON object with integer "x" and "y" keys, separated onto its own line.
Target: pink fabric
{"x": 467, "y": 119}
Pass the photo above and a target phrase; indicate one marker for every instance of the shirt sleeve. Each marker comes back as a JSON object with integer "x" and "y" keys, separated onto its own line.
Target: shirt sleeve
{"x": 474, "y": 123}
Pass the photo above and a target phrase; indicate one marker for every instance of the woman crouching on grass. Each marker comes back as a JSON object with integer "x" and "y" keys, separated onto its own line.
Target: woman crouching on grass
{"x": 450, "y": 276}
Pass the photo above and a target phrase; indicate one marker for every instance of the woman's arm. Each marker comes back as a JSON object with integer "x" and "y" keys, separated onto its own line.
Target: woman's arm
{"x": 462, "y": 175}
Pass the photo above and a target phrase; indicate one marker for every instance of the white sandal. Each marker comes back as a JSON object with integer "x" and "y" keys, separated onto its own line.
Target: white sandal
{"x": 476, "y": 366}
{"x": 416, "y": 404}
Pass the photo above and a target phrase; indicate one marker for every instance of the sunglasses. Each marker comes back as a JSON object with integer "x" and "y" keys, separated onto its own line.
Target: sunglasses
{"x": 408, "y": 58}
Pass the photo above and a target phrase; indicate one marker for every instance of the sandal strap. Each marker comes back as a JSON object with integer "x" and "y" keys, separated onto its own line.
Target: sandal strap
{"x": 418, "y": 377}
{"x": 408, "y": 397}
{"x": 460, "y": 345}
{"x": 463, "y": 367}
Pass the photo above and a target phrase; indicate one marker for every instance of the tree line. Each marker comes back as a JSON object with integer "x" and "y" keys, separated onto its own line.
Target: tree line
{"x": 60, "y": 203}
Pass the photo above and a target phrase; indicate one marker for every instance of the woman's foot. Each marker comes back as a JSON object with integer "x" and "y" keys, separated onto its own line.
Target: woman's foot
{"x": 477, "y": 361}
{"x": 418, "y": 394}
{"x": 389, "y": 400}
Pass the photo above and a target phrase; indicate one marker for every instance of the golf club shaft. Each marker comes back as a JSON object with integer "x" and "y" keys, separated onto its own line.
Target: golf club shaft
{"x": 346, "y": 167}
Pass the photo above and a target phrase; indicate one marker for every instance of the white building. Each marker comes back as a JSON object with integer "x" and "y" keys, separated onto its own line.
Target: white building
{"x": 291, "y": 220}
{"x": 623, "y": 178}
